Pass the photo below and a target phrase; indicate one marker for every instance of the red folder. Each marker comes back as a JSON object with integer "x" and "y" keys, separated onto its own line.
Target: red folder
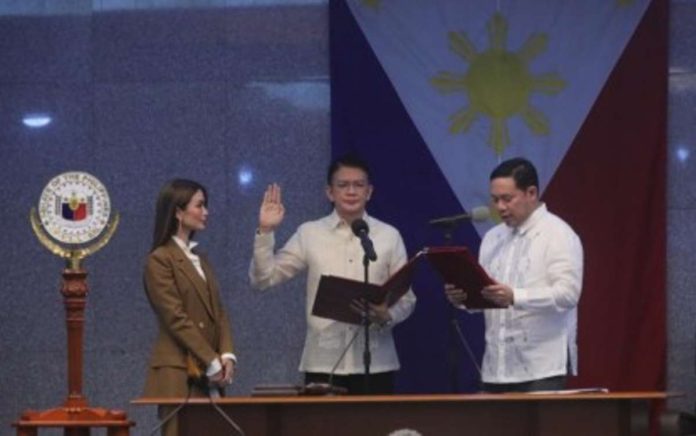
{"x": 459, "y": 267}
{"x": 456, "y": 265}
{"x": 336, "y": 293}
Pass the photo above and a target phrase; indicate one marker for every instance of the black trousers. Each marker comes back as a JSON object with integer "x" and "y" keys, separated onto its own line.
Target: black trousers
{"x": 381, "y": 383}
{"x": 544, "y": 384}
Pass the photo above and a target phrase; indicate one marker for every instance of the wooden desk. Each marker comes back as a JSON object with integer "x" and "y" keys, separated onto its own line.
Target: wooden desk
{"x": 606, "y": 414}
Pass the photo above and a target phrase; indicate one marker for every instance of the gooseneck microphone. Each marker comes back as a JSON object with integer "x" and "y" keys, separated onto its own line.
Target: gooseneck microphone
{"x": 479, "y": 213}
{"x": 361, "y": 229}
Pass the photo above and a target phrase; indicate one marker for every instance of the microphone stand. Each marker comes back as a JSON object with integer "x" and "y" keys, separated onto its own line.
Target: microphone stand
{"x": 448, "y": 230}
{"x": 227, "y": 418}
{"x": 367, "y": 357}
{"x": 334, "y": 390}
{"x": 172, "y": 413}
{"x": 201, "y": 384}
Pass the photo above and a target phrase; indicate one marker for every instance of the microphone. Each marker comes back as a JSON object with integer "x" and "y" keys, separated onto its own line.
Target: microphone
{"x": 479, "y": 213}
{"x": 361, "y": 229}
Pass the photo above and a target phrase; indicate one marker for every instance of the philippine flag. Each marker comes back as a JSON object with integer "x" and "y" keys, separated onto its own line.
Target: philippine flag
{"x": 435, "y": 93}
{"x": 74, "y": 209}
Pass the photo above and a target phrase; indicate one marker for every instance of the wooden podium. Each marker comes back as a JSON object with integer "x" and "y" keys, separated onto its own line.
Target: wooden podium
{"x": 606, "y": 414}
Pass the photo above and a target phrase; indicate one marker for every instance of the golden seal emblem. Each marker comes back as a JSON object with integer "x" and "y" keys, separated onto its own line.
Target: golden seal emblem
{"x": 74, "y": 209}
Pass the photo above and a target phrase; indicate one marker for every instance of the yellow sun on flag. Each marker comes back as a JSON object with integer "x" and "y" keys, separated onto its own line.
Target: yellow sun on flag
{"x": 498, "y": 83}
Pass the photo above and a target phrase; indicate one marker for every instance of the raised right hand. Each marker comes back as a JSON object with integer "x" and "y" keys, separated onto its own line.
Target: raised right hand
{"x": 272, "y": 211}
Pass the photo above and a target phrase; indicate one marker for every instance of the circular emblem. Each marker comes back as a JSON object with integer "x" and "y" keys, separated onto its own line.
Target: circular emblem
{"x": 74, "y": 207}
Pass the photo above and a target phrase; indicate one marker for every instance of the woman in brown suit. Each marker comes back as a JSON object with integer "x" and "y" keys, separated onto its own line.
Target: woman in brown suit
{"x": 193, "y": 354}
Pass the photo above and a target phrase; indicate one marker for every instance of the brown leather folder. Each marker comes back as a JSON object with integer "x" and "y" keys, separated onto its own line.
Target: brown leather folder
{"x": 335, "y": 294}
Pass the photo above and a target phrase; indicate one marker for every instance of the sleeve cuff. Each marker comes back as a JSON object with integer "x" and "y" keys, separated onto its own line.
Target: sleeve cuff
{"x": 214, "y": 367}
{"x": 229, "y": 356}
{"x": 520, "y": 297}
{"x": 263, "y": 235}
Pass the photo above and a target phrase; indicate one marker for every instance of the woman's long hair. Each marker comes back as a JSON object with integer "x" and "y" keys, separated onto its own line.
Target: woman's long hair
{"x": 175, "y": 194}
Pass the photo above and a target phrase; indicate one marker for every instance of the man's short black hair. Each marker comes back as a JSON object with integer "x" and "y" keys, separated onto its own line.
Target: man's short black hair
{"x": 350, "y": 160}
{"x": 520, "y": 169}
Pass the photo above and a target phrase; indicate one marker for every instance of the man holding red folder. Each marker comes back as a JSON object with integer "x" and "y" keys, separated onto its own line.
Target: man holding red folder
{"x": 536, "y": 260}
{"x": 333, "y": 350}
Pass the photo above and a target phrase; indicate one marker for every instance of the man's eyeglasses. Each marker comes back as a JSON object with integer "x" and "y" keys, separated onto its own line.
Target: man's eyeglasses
{"x": 357, "y": 185}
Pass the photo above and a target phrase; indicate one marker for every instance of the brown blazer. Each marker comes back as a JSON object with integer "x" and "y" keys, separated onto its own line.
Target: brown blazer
{"x": 192, "y": 320}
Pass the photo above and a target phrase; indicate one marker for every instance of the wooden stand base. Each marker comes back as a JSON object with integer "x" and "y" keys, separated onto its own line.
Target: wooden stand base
{"x": 76, "y": 421}
{"x": 75, "y": 416}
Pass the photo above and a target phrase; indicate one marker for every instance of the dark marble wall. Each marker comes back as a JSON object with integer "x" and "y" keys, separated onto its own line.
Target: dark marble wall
{"x": 681, "y": 206}
{"x": 140, "y": 92}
